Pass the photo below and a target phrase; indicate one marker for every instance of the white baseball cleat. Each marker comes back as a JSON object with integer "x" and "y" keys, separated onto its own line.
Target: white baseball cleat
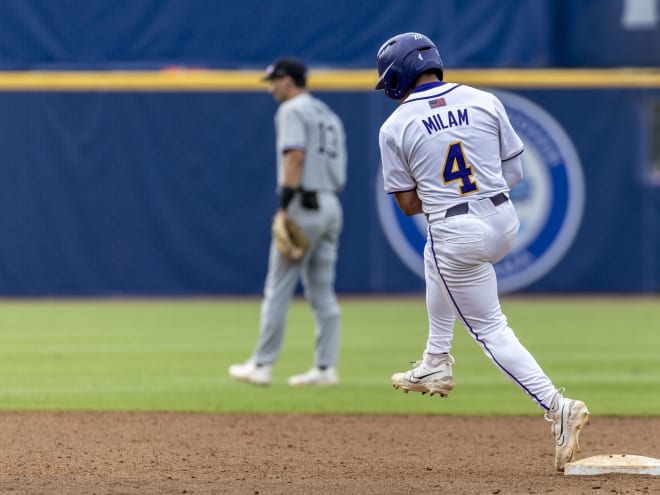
{"x": 425, "y": 379}
{"x": 251, "y": 372}
{"x": 316, "y": 377}
{"x": 568, "y": 419}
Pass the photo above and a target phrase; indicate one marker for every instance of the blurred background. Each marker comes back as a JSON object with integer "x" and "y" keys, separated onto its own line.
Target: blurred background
{"x": 137, "y": 150}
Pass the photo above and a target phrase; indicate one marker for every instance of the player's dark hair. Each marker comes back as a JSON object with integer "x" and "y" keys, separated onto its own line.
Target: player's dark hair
{"x": 437, "y": 72}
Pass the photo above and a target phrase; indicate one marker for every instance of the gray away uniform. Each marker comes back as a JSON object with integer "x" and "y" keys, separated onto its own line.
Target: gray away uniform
{"x": 306, "y": 123}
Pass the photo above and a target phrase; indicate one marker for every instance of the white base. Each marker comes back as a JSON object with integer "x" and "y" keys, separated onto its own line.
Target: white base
{"x": 614, "y": 463}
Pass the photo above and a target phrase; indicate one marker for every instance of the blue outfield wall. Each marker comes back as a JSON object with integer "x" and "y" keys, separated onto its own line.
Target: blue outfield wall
{"x": 339, "y": 34}
{"x": 123, "y": 187}
{"x": 162, "y": 193}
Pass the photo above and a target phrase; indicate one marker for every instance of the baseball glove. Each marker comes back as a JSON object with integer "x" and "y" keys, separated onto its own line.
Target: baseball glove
{"x": 289, "y": 238}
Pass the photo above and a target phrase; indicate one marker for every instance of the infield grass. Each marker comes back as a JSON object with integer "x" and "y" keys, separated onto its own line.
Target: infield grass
{"x": 173, "y": 355}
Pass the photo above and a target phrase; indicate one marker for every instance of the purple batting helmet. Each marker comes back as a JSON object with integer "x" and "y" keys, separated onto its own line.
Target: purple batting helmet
{"x": 402, "y": 59}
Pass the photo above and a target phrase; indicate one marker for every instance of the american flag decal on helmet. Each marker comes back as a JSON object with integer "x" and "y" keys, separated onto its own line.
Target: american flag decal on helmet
{"x": 438, "y": 102}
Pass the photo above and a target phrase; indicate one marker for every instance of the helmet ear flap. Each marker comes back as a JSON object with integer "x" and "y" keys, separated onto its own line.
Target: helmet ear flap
{"x": 394, "y": 80}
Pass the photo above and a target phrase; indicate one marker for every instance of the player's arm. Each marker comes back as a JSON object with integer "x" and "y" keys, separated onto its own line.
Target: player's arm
{"x": 396, "y": 176}
{"x": 291, "y": 176}
{"x": 511, "y": 146}
{"x": 512, "y": 171}
{"x": 292, "y": 168}
{"x": 408, "y": 202}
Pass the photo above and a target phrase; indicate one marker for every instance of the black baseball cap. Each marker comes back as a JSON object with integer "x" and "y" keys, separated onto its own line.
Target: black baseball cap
{"x": 287, "y": 67}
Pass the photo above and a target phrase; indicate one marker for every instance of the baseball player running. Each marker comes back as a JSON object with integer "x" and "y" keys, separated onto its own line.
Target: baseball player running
{"x": 450, "y": 152}
{"x": 311, "y": 170}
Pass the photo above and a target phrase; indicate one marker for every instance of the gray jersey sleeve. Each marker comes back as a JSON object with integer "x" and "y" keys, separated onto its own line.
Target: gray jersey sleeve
{"x": 290, "y": 127}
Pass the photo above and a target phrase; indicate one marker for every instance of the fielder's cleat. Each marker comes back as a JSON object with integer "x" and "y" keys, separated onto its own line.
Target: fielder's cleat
{"x": 568, "y": 418}
{"x": 316, "y": 377}
{"x": 425, "y": 379}
{"x": 251, "y": 372}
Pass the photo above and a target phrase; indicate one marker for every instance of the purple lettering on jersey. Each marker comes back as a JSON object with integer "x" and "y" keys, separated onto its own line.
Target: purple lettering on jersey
{"x": 463, "y": 117}
{"x": 430, "y": 125}
{"x": 438, "y": 122}
{"x": 435, "y": 122}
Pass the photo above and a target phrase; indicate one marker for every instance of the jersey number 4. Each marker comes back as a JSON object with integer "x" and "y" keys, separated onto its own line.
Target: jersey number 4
{"x": 456, "y": 168}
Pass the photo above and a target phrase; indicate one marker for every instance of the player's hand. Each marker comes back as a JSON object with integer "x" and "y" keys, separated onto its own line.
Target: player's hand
{"x": 289, "y": 238}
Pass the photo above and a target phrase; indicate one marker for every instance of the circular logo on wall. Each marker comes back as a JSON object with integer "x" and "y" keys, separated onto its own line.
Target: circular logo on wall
{"x": 549, "y": 202}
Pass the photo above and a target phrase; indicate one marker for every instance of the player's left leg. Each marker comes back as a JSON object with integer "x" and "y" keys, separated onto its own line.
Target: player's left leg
{"x": 465, "y": 248}
{"x": 433, "y": 373}
{"x": 440, "y": 311}
{"x": 281, "y": 280}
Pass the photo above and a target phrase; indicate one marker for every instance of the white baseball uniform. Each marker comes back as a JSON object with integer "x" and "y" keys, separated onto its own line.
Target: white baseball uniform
{"x": 450, "y": 142}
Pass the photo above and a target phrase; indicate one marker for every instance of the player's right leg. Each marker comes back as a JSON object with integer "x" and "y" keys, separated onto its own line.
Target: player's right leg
{"x": 472, "y": 290}
{"x": 318, "y": 279}
{"x": 568, "y": 417}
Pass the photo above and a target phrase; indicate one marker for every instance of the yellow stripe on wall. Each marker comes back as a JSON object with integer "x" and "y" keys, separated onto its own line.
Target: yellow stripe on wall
{"x": 322, "y": 80}
{"x": 547, "y": 78}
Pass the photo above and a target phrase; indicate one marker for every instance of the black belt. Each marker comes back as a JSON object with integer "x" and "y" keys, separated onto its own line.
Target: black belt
{"x": 463, "y": 208}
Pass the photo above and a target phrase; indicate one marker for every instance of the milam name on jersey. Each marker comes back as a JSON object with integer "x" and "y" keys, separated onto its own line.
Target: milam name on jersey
{"x": 440, "y": 121}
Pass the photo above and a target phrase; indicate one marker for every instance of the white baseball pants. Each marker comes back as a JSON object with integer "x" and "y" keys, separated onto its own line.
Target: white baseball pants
{"x": 461, "y": 284}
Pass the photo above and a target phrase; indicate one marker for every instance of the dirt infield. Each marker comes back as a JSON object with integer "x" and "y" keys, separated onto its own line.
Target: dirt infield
{"x": 172, "y": 453}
